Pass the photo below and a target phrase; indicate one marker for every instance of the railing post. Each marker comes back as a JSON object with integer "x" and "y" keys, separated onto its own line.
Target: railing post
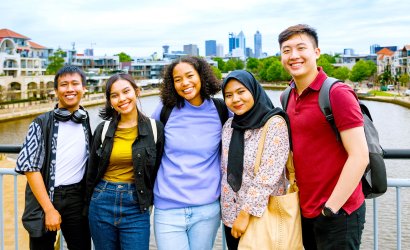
{"x": 375, "y": 225}
{"x": 1, "y": 214}
{"x": 16, "y": 215}
{"x": 398, "y": 217}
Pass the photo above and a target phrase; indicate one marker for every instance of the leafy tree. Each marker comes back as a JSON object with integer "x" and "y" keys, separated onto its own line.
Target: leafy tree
{"x": 217, "y": 72}
{"x": 362, "y": 70}
{"x": 124, "y": 57}
{"x": 329, "y": 58}
{"x": 341, "y": 73}
{"x": 233, "y": 64}
{"x": 274, "y": 71}
{"x": 252, "y": 64}
{"x": 404, "y": 80}
{"x": 56, "y": 62}
{"x": 325, "y": 64}
{"x": 221, "y": 63}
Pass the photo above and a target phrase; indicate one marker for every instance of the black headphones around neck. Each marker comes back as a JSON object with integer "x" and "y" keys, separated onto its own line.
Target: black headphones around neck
{"x": 63, "y": 115}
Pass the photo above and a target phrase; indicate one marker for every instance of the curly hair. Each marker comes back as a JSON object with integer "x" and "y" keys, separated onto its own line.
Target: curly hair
{"x": 210, "y": 85}
{"x": 108, "y": 112}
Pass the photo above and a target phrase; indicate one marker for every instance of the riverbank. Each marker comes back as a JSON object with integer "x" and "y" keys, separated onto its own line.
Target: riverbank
{"x": 19, "y": 112}
{"x": 22, "y": 111}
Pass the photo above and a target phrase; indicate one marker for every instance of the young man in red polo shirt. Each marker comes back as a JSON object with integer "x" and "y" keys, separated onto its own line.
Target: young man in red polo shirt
{"x": 328, "y": 171}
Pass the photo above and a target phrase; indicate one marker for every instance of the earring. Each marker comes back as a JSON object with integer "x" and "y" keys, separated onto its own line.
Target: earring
{"x": 112, "y": 107}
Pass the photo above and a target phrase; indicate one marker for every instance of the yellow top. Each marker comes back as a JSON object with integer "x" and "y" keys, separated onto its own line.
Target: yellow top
{"x": 120, "y": 168}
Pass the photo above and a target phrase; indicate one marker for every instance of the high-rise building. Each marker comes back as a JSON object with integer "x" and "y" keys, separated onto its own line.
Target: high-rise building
{"x": 373, "y": 48}
{"x": 257, "y": 39}
{"x": 220, "y": 50}
{"x": 89, "y": 52}
{"x": 210, "y": 48}
{"x": 249, "y": 52}
{"x": 191, "y": 49}
{"x": 241, "y": 42}
{"x": 233, "y": 42}
{"x": 165, "y": 48}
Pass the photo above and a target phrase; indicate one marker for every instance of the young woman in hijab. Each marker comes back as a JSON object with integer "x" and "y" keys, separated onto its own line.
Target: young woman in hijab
{"x": 244, "y": 193}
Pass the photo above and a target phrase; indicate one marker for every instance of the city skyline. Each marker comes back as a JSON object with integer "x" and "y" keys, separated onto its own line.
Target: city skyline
{"x": 142, "y": 28}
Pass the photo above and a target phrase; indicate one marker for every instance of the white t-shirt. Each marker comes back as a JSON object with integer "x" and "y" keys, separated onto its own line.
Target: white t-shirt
{"x": 71, "y": 154}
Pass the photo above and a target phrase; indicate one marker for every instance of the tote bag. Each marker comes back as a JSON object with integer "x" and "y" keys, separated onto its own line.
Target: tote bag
{"x": 280, "y": 225}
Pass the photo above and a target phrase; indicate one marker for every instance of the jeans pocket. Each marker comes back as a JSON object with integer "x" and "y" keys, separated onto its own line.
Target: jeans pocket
{"x": 96, "y": 194}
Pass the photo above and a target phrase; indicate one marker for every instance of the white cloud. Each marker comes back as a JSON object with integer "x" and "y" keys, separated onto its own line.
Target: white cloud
{"x": 142, "y": 27}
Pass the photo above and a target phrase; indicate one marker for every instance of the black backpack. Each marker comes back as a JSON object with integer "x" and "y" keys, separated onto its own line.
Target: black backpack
{"x": 374, "y": 180}
{"x": 219, "y": 104}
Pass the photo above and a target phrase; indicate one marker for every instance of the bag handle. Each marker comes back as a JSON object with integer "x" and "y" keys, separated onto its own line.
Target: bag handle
{"x": 261, "y": 144}
{"x": 289, "y": 163}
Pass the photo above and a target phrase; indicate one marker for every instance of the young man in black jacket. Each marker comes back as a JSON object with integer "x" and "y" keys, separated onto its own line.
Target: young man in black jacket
{"x": 54, "y": 159}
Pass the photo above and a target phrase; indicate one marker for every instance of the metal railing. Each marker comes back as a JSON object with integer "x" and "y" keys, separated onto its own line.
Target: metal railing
{"x": 388, "y": 154}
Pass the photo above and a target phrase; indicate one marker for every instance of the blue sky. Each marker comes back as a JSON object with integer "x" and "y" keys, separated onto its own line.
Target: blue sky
{"x": 141, "y": 27}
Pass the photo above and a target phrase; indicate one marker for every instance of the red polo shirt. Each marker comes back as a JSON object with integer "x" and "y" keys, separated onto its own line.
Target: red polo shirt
{"x": 318, "y": 157}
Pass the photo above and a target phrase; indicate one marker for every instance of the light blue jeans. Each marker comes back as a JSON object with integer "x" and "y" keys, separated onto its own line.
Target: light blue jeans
{"x": 189, "y": 228}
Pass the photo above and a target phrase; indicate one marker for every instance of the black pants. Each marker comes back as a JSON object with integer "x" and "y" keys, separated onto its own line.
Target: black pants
{"x": 340, "y": 232}
{"x": 231, "y": 242}
{"x": 69, "y": 202}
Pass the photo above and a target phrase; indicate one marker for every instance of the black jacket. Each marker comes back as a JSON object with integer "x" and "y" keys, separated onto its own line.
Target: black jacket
{"x": 146, "y": 158}
{"x": 33, "y": 215}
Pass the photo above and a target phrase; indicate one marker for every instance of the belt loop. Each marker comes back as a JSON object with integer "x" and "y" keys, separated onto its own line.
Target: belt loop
{"x": 105, "y": 184}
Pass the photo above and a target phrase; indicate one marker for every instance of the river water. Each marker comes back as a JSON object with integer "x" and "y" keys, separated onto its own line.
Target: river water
{"x": 392, "y": 122}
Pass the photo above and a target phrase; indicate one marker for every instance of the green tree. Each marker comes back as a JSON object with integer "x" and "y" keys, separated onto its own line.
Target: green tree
{"x": 221, "y": 63}
{"x": 404, "y": 80}
{"x": 233, "y": 64}
{"x": 274, "y": 71}
{"x": 252, "y": 64}
{"x": 124, "y": 57}
{"x": 217, "y": 72}
{"x": 341, "y": 73}
{"x": 56, "y": 62}
{"x": 361, "y": 70}
{"x": 325, "y": 64}
{"x": 329, "y": 58}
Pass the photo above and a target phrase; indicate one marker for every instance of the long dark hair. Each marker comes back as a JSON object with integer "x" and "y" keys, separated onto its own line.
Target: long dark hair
{"x": 210, "y": 85}
{"x": 107, "y": 112}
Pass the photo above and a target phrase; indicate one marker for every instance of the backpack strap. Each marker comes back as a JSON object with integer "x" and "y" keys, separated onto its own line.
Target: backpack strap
{"x": 285, "y": 98}
{"x": 104, "y": 131}
{"x": 324, "y": 103}
{"x": 154, "y": 129}
{"x": 165, "y": 113}
{"x": 222, "y": 109}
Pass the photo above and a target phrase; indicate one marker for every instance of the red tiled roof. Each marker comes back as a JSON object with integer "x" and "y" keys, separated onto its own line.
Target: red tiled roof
{"x": 407, "y": 47}
{"x": 9, "y": 33}
{"x": 385, "y": 51}
{"x": 36, "y": 45}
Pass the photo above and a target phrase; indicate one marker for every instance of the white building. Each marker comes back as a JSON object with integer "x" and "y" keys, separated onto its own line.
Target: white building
{"x": 21, "y": 57}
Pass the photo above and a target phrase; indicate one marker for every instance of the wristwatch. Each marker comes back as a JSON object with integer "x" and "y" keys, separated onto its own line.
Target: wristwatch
{"x": 328, "y": 212}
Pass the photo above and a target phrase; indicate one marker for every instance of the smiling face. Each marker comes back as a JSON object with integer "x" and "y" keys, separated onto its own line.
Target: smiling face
{"x": 187, "y": 83}
{"x": 123, "y": 97}
{"x": 298, "y": 56}
{"x": 237, "y": 97}
{"x": 69, "y": 91}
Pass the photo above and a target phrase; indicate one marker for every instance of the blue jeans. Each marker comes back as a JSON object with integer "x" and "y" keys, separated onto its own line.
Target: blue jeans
{"x": 339, "y": 232}
{"x": 187, "y": 228}
{"x": 116, "y": 221}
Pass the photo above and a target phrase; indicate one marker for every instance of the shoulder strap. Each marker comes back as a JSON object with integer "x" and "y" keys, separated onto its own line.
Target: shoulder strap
{"x": 324, "y": 103}
{"x": 222, "y": 109}
{"x": 104, "y": 131}
{"x": 261, "y": 144}
{"x": 154, "y": 129}
{"x": 285, "y": 98}
{"x": 165, "y": 113}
